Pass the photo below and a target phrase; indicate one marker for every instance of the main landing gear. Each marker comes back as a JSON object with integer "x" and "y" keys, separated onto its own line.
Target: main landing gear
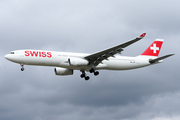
{"x": 83, "y": 75}
{"x": 93, "y": 71}
{"x": 22, "y": 67}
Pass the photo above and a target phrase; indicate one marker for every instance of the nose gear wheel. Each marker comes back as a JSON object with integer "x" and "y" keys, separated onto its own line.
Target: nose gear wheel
{"x": 22, "y": 67}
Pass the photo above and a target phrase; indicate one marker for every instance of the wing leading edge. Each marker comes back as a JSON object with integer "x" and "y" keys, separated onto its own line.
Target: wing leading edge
{"x": 98, "y": 57}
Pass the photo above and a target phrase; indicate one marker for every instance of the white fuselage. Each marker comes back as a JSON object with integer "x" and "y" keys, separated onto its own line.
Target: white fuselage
{"x": 60, "y": 59}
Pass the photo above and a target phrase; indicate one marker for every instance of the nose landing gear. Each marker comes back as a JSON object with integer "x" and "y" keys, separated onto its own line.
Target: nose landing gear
{"x": 22, "y": 67}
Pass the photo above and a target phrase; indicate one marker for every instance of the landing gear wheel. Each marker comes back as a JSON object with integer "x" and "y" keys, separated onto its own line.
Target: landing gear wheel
{"x": 96, "y": 73}
{"x": 82, "y": 75}
{"x": 22, "y": 69}
{"x": 87, "y": 78}
{"x": 91, "y": 70}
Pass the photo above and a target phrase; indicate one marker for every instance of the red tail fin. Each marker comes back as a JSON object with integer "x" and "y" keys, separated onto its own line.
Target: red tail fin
{"x": 154, "y": 48}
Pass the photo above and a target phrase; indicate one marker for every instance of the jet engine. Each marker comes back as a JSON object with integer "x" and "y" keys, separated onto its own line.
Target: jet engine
{"x": 63, "y": 71}
{"x": 78, "y": 61}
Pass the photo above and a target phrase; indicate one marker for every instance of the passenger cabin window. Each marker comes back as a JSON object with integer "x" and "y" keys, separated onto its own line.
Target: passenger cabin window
{"x": 12, "y": 52}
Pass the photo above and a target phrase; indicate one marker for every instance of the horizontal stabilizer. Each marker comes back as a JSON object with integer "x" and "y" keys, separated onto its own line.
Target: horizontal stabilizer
{"x": 160, "y": 58}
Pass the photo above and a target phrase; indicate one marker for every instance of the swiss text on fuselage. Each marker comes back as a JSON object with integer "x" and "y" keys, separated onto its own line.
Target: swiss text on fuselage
{"x": 38, "y": 54}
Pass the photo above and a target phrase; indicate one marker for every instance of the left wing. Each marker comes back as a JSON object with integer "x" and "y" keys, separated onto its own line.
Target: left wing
{"x": 98, "y": 57}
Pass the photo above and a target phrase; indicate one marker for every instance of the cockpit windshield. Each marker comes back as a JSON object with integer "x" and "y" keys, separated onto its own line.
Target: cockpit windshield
{"x": 12, "y": 53}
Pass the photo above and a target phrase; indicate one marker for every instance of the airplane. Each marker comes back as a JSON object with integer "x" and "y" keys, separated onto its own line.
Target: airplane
{"x": 66, "y": 62}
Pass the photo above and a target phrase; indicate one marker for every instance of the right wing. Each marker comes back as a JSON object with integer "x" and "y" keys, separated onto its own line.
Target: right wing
{"x": 98, "y": 57}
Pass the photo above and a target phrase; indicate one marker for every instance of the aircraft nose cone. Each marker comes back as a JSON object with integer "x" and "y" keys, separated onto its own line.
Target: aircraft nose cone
{"x": 7, "y": 57}
{"x": 11, "y": 57}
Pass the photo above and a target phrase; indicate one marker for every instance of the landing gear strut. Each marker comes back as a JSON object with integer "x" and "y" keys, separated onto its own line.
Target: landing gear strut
{"x": 22, "y": 67}
{"x": 83, "y": 75}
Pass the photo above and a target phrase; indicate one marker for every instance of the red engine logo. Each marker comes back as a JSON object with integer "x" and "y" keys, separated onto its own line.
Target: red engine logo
{"x": 38, "y": 54}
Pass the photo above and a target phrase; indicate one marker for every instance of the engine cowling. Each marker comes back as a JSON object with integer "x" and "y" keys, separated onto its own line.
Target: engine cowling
{"x": 78, "y": 61}
{"x": 63, "y": 71}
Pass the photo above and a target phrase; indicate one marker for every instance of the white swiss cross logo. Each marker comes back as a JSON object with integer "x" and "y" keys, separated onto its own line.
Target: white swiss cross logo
{"x": 154, "y": 48}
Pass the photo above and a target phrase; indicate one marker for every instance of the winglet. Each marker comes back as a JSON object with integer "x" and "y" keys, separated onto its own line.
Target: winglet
{"x": 142, "y": 35}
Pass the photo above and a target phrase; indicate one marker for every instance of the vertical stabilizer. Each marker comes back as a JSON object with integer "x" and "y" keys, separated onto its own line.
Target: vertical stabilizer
{"x": 154, "y": 48}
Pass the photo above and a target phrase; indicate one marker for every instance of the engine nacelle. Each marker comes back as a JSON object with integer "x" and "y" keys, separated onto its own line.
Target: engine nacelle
{"x": 63, "y": 71}
{"x": 78, "y": 61}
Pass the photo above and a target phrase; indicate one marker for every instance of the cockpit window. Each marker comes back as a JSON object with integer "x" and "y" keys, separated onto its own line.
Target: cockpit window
{"x": 12, "y": 52}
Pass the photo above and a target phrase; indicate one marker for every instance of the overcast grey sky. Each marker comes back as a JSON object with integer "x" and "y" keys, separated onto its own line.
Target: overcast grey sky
{"x": 88, "y": 26}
